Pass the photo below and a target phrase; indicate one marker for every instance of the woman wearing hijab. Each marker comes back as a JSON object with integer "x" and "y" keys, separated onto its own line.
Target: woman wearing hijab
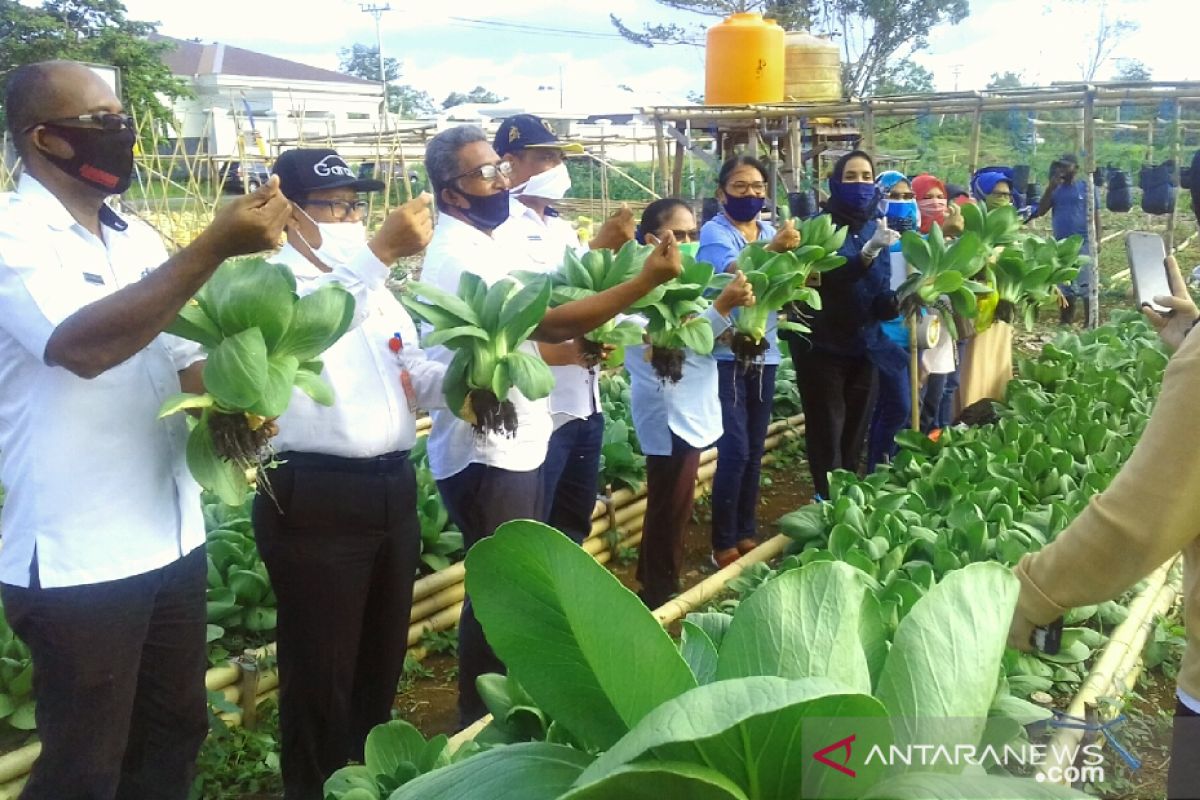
{"x": 938, "y": 362}
{"x": 836, "y": 362}
{"x": 994, "y": 187}
{"x": 747, "y": 393}
{"x": 893, "y": 401}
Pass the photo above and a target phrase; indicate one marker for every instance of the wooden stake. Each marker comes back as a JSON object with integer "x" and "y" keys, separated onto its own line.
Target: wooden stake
{"x": 976, "y": 132}
{"x": 1176, "y": 141}
{"x": 661, "y": 146}
{"x": 1089, "y": 166}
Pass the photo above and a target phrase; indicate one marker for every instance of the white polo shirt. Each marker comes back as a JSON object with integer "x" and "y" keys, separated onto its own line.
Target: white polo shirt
{"x": 453, "y": 444}
{"x": 544, "y": 240}
{"x": 371, "y": 414}
{"x": 97, "y": 485}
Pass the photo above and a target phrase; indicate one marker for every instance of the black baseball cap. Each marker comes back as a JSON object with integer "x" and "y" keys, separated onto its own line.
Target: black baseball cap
{"x": 526, "y": 130}
{"x": 311, "y": 169}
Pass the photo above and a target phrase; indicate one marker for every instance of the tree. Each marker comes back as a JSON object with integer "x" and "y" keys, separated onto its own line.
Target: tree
{"x": 1107, "y": 34}
{"x": 478, "y": 95}
{"x": 906, "y": 77}
{"x": 407, "y": 101}
{"x": 874, "y": 33}
{"x": 95, "y": 31}
{"x": 1009, "y": 80}
{"x": 1130, "y": 69}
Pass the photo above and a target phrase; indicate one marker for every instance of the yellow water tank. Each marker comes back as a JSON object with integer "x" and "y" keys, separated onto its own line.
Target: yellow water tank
{"x": 744, "y": 61}
{"x": 813, "y": 69}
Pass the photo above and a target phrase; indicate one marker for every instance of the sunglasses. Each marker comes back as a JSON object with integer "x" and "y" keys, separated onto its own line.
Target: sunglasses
{"x": 107, "y": 122}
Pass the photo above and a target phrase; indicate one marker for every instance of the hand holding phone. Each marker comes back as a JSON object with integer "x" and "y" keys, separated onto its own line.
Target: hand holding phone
{"x": 1181, "y": 315}
{"x": 1148, "y": 269}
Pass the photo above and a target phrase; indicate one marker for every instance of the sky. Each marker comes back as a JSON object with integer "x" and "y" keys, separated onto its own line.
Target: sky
{"x": 446, "y": 47}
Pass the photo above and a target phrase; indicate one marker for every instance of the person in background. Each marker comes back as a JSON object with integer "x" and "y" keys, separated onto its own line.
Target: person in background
{"x": 487, "y": 480}
{"x": 674, "y": 422}
{"x": 1150, "y": 512}
{"x": 893, "y": 399}
{"x": 939, "y": 362}
{"x": 993, "y": 186}
{"x": 540, "y": 178}
{"x": 1065, "y": 199}
{"x": 342, "y": 513}
{"x": 746, "y": 393}
{"x": 834, "y": 369}
{"x": 102, "y": 572}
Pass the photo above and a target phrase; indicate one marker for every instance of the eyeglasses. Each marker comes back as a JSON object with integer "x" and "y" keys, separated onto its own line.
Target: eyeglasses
{"x": 682, "y": 236}
{"x": 488, "y": 172}
{"x": 342, "y": 209}
{"x": 108, "y": 122}
{"x": 744, "y": 187}
{"x": 902, "y": 196}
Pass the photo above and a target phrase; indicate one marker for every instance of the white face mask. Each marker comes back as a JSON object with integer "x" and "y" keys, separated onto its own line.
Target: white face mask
{"x": 553, "y": 184}
{"x": 341, "y": 242}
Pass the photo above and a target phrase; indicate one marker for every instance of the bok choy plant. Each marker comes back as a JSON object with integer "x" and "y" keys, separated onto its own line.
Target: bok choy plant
{"x": 485, "y": 328}
{"x": 262, "y": 340}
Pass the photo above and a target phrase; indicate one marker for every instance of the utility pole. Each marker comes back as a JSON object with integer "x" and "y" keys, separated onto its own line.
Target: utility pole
{"x": 376, "y": 10}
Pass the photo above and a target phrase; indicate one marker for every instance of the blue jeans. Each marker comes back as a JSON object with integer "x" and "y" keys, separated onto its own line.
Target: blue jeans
{"x": 747, "y": 396}
{"x": 931, "y": 402}
{"x": 572, "y": 474}
{"x": 893, "y": 410}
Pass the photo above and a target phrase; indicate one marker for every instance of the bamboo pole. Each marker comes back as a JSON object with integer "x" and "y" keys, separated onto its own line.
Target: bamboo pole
{"x": 1107, "y": 678}
{"x": 660, "y": 145}
{"x": 1089, "y": 161}
{"x": 976, "y": 133}
{"x": 1176, "y": 143}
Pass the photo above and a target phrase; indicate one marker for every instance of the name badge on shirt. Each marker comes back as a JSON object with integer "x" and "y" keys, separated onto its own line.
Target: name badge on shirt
{"x": 93, "y": 278}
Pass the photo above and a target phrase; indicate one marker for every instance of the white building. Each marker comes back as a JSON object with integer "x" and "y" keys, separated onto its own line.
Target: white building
{"x": 283, "y": 99}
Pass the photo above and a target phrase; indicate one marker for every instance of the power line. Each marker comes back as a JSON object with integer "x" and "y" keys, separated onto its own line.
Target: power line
{"x": 517, "y": 27}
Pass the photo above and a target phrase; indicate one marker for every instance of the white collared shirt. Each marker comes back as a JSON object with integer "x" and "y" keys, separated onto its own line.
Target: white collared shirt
{"x": 453, "y": 444}
{"x": 544, "y": 240}
{"x": 690, "y": 409}
{"x": 370, "y": 415}
{"x": 97, "y": 484}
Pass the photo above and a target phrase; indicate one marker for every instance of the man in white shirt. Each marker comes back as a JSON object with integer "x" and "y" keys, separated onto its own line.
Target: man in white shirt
{"x": 103, "y": 570}
{"x": 487, "y": 480}
{"x": 539, "y": 176}
{"x": 344, "y": 511}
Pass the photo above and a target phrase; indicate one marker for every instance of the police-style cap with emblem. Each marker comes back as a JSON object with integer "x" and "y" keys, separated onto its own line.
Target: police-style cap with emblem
{"x": 526, "y": 130}
{"x": 305, "y": 170}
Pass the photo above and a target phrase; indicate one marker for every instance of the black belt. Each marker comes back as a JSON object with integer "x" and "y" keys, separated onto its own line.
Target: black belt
{"x": 388, "y": 462}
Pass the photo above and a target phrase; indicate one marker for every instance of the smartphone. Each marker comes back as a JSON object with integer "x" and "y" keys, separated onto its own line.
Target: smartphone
{"x": 1147, "y": 267}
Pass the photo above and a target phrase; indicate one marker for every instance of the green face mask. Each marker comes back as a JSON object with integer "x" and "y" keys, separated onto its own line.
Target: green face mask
{"x": 993, "y": 202}
{"x": 690, "y": 248}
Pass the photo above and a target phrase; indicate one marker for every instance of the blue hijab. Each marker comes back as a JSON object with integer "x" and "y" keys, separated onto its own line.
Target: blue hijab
{"x": 902, "y": 215}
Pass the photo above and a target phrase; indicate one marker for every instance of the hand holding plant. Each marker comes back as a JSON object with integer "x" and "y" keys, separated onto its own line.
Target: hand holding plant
{"x": 406, "y": 231}
{"x": 248, "y": 224}
{"x": 788, "y": 238}
{"x": 738, "y": 294}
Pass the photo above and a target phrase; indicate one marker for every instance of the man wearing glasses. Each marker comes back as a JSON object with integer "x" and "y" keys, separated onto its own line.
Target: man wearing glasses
{"x": 344, "y": 511}
{"x": 487, "y": 480}
{"x": 103, "y": 569}
{"x": 540, "y": 178}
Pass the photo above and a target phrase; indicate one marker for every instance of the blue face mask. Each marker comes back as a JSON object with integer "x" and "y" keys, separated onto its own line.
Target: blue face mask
{"x": 487, "y": 212}
{"x": 744, "y": 209}
{"x": 857, "y": 196}
{"x": 902, "y": 215}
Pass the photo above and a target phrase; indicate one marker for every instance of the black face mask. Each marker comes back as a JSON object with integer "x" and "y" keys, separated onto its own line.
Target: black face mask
{"x": 103, "y": 159}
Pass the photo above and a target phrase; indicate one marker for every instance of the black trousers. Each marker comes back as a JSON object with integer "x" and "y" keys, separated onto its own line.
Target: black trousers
{"x": 837, "y": 394}
{"x": 480, "y": 499}
{"x": 341, "y": 542}
{"x": 1183, "y": 775}
{"x": 670, "y": 498}
{"x": 572, "y": 475}
{"x": 119, "y": 682}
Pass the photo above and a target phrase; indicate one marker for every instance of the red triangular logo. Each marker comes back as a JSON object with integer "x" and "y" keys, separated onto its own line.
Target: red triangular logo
{"x": 823, "y": 756}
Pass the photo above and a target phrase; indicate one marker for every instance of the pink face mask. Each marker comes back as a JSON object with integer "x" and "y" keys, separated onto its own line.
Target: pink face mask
{"x": 932, "y": 209}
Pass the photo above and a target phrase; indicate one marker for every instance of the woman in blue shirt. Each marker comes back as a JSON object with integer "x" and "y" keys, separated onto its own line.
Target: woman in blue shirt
{"x": 747, "y": 380}
{"x": 836, "y": 362}
{"x": 675, "y": 422}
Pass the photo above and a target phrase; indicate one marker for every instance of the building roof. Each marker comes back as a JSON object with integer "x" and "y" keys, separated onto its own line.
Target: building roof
{"x": 214, "y": 58}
